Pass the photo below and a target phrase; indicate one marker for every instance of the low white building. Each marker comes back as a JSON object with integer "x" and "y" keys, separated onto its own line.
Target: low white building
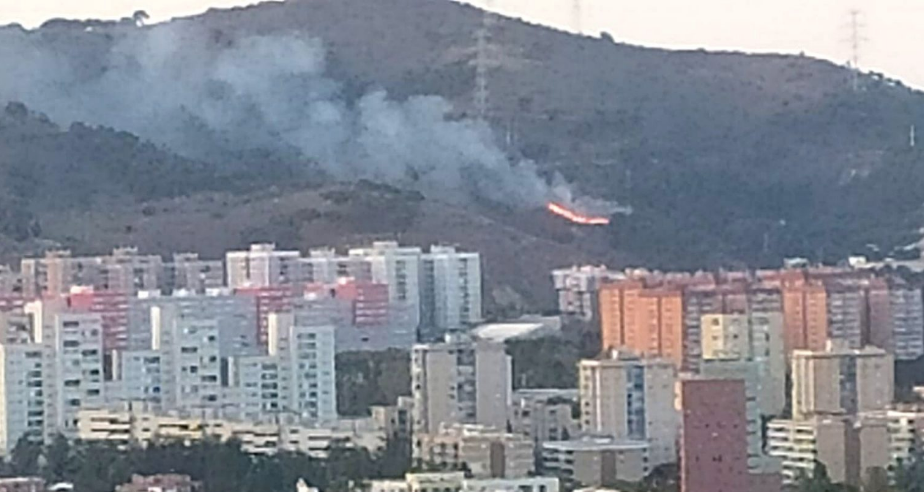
{"x": 848, "y": 446}
{"x": 596, "y": 462}
{"x": 456, "y": 482}
{"x": 544, "y": 414}
{"x": 130, "y": 425}
{"x": 485, "y": 452}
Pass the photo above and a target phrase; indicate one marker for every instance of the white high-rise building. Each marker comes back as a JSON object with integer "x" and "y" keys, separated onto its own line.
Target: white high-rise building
{"x": 190, "y": 359}
{"x": 578, "y": 288}
{"x": 124, "y": 271}
{"x": 77, "y": 381}
{"x": 305, "y": 352}
{"x": 258, "y": 386}
{"x": 23, "y": 409}
{"x": 188, "y": 272}
{"x": 627, "y": 397}
{"x": 137, "y": 378}
{"x": 325, "y": 266}
{"x": 399, "y": 268}
{"x": 450, "y": 291}
{"x": 460, "y": 381}
{"x": 262, "y": 266}
{"x": 236, "y": 317}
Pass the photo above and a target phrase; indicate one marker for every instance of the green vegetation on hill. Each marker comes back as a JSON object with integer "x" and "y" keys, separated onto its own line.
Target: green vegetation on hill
{"x": 365, "y": 379}
{"x": 726, "y": 158}
{"x": 46, "y": 168}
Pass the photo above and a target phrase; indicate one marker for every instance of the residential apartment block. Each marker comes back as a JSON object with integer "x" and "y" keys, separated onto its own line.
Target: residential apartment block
{"x": 128, "y": 425}
{"x": 755, "y": 338}
{"x": 578, "y": 289}
{"x": 817, "y": 305}
{"x": 544, "y": 415}
{"x": 841, "y": 380}
{"x": 630, "y": 398}
{"x": 596, "y": 462}
{"x": 483, "y": 451}
{"x": 848, "y": 446}
{"x": 458, "y": 482}
{"x": 460, "y": 381}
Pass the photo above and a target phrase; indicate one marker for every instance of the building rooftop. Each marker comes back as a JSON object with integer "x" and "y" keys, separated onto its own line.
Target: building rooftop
{"x": 596, "y": 444}
{"x": 500, "y": 332}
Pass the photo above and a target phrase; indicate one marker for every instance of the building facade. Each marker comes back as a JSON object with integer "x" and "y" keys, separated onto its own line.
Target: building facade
{"x": 483, "y": 452}
{"x": 630, "y": 398}
{"x": 544, "y": 415}
{"x": 262, "y": 266}
{"x": 457, "y": 482}
{"x": 450, "y": 291}
{"x": 756, "y": 338}
{"x": 577, "y": 289}
{"x": 648, "y": 321}
{"x": 596, "y": 462}
{"x": 848, "y": 447}
{"x": 840, "y": 380}
{"x": 713, "y": 443}
{"x": 23, "y": 409}
{"x": 460, "y": 381}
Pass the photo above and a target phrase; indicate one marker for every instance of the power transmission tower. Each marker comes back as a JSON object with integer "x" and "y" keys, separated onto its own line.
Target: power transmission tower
{"x": 484, "y": 59}
{"x": 577, "y": 16}
{"x": 856, "y": 43}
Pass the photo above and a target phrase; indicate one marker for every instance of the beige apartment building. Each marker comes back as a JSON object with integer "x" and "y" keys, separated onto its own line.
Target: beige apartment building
{"x": 848, "y": 446}
{"x": 457, "y": 482}
{"x": 630, "y": 398}
{"x": 757, "y": 338}
{"x": 125, "y": 426}
{"x": 841, "y": 380}
{"x": 125, "y": 270}
{"x": 460, "y": 381}
{"x": 596, "y": 462}
{"x": 543, "y": 414}
{"x": 905, "y": 424}
{"x": 485, "y": 452}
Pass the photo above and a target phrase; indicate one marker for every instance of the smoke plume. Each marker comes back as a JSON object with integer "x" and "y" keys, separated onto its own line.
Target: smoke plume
{"x": 176, "y": 85}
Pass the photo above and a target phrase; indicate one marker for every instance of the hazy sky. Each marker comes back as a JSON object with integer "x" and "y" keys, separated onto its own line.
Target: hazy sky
{"x": 893, "y": 29}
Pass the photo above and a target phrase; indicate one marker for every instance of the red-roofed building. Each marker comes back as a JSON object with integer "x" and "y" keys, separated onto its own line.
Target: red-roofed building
{"x": 272, "y": 299}
{"x": 111, "y": 306}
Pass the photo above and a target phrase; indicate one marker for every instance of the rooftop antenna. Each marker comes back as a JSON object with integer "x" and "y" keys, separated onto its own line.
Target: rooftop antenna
{"x": 483, "y": 60}
{"x": 856, "y": 42}
{"x": 913, "y": 138}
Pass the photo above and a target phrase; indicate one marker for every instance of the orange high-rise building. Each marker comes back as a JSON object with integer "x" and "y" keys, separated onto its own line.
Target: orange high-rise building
{"x": 805, "y": 312}
{"x": 647, "y": 321}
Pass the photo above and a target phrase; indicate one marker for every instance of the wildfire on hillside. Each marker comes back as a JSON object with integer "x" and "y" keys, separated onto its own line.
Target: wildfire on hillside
{"x": 576, "y": 217}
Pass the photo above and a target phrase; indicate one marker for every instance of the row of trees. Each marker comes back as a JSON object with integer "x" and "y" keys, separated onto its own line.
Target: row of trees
{"x": 98, "y": 466}
{"x": 907, "y": 477}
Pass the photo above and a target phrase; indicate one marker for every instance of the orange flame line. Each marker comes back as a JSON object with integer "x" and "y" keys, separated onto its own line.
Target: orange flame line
{"x": 576, "y": 217}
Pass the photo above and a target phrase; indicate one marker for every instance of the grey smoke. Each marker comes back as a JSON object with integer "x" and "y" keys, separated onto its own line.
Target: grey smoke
{"x": 175, "y": 86}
